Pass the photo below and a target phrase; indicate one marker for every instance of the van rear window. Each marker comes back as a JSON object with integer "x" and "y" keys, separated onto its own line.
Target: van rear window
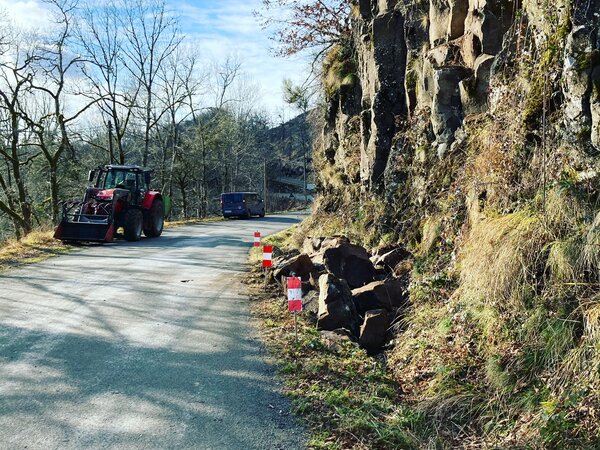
{"x": 232, "y": 198}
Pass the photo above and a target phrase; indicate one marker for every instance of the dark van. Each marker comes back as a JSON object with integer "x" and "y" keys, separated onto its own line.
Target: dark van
{"x": 242, "y": 204}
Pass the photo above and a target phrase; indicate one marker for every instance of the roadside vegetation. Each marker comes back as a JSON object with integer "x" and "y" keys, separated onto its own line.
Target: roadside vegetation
{"x": 37, "y": 246}
{"x": 346, "y": 398}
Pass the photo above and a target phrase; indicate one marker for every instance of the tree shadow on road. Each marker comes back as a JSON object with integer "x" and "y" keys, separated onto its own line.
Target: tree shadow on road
{"x": 83, "y": 391}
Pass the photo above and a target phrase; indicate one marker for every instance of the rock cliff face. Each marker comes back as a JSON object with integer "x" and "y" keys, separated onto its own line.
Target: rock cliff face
{"x": 469, "y": 133}
{"x": 432, "y": 66}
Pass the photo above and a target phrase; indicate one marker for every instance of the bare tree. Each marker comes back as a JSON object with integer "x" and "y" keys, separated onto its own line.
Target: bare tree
{"x": 99, "y": 33}
{"x": 58, "y": 68}
{"x": 224, "y": 76}
{"x": 207, "y": 136}
{"x": 152, "y": 35}
{"x": 246, "y": 95}
{"x": 15, "y": 77}
{"x": 180, "y": 85}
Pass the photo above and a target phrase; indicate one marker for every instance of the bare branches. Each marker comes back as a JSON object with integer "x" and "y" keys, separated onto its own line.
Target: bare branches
{"x": 306, "y": 24}
{"x": 226, "y": 74}
{"x": 102, "y": 43}
{"x": 152, "y": 36}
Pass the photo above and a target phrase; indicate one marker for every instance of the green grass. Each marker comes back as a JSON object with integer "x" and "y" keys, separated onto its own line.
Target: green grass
{"x": 285, "y": 239}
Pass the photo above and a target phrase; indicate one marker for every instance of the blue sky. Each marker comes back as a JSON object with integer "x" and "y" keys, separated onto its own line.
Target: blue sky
{"x": 217, "y": 29}
{"x": 222, "y": 28}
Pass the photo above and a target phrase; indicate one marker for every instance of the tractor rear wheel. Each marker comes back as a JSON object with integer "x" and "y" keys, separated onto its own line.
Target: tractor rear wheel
{"x": 155, "y": 219}
{"x": 133, "y": 225}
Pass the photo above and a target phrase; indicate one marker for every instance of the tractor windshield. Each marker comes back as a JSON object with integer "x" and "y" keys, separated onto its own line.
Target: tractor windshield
{"x": 121, "y": 179}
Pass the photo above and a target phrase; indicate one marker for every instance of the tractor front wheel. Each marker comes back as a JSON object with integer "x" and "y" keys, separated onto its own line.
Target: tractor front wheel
{"x": 133, "y": 225}
{"x": 155, "y": 219}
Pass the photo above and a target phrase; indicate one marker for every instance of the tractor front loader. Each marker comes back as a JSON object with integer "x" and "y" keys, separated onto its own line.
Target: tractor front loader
{"x": 120, "y": 198}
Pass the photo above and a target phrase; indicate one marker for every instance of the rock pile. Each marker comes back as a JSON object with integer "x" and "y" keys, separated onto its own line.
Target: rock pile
{"x": 347, "y": 288}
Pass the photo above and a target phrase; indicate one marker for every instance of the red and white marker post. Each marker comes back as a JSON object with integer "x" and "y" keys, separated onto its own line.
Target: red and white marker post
{"x": 267, "y": 256}
{"x": 294, "y": 288}
{"x": 257, "y": 238}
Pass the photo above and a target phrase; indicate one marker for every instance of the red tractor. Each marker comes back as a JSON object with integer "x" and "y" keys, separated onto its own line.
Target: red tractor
{"x": 121, "y": 197}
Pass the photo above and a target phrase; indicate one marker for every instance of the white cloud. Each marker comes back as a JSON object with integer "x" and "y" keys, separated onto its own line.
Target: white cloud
{"x": 30, "y": 14}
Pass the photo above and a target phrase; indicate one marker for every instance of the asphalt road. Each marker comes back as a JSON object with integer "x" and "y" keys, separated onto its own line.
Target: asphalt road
{"x": 140, "y": 345}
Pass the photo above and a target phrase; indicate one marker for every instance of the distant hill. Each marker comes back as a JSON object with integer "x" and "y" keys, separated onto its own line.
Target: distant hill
{"x": 289, "y": 142}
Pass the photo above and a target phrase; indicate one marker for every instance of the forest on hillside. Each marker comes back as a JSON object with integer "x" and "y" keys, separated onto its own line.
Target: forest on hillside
{"x": 119, "y": 83}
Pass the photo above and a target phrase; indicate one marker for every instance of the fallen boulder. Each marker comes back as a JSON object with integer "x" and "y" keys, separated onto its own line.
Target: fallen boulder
{"x": 306, "y": 288}
{"x": 315, "y": 247}
{"x": 314, "y": 277}
{"x": 312, "y": 245}
{"x": 390, "y": 259}
{"x": 335, "y": 340}
{"x": 373, "y": 330}
{"x": 283, "y": 255}
{"x": 278, "y": 253}
{"x": 336, "y": 308}
{"x": 299, "y": 265}
{"x": 358, "y": 271}
{"x": 380, "y": 295}
{"x": 349, "y": 262}
{"x": 311, "y": 303}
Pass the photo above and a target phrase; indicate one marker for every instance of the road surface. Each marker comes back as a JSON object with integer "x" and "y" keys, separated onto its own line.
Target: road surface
{"x": 140, "y": 345}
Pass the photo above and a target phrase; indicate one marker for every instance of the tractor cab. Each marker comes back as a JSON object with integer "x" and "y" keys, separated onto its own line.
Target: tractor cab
{"x": 133, "y": 179}
{"x": 124, "y": 177}
{"x": 120, "y": 197}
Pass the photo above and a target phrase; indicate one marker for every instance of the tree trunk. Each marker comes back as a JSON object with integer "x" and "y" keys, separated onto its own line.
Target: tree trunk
{"x": 174, "y": 137}
{"x": 119, "y": 133}
{"x": 184, "y": 203}
{"x": 54, "y": 188}
{"x": 24, "y": 205}
{"x": 204, "y": 205}
{"x": 148, "y": 120}
{"x": 9, "y": 208}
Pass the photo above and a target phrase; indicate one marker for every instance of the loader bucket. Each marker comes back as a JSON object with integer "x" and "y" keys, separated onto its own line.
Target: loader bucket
{"x": 84, "y": 231}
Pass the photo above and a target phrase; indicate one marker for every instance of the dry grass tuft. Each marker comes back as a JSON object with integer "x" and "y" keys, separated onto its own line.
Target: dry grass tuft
{"x": 35, "y": 247}
{"x": 339, "y": 69}
{"x": 564, "y": 260}
{"x": 563, "y": 211}
{"x": 493, "y": 170}
{"x": 432, "y": 228}
{"x": 590, "y": 255}
{"x": 501, "y": 260}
